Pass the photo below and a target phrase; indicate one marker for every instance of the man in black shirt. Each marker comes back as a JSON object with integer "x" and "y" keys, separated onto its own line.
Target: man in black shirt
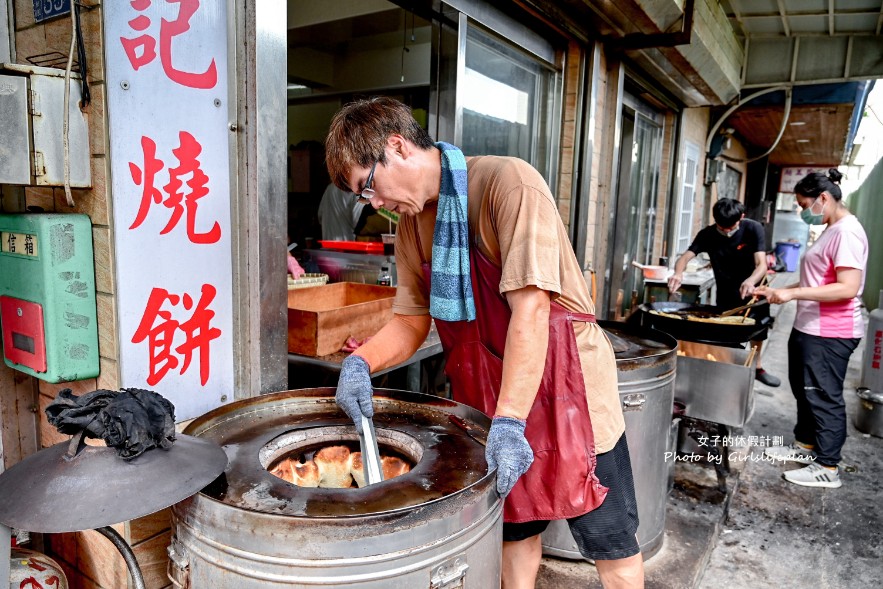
{"x": 738, "y": 257}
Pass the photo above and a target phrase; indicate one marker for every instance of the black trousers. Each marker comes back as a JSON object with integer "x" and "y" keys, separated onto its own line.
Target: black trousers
{"x": 816, "y": 369}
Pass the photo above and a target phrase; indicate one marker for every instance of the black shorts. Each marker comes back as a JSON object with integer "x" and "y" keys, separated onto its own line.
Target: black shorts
{"x": 605, "y": 533}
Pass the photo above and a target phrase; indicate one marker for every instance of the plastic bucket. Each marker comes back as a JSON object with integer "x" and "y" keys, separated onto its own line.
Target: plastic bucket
{"x": 789, "y": 253}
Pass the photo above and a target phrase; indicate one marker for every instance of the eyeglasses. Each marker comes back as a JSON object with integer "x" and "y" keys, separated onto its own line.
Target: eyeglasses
{"x": 367, "y": 192}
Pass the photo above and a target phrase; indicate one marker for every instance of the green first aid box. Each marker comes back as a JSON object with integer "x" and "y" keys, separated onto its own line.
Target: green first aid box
{"x": 47, "y": 296}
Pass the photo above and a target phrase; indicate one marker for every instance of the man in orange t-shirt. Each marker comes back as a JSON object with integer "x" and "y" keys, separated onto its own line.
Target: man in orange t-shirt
{"x": 497, "y": 273}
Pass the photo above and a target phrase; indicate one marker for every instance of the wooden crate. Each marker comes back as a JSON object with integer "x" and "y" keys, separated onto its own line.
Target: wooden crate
{"x": 322, "y": 317}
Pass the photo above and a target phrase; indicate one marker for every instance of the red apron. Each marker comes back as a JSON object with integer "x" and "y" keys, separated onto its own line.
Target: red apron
{"x": 561, "y": 482}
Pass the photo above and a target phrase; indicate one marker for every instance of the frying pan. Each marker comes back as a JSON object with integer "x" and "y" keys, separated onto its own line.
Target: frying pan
{"x": 696, "y": 331}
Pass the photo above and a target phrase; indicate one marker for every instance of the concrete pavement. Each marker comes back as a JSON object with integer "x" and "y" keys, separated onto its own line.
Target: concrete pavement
{"x": 765, "y": 532}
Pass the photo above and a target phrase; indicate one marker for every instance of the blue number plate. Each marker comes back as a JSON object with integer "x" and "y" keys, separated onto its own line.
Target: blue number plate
{"x": 46, "y": 9}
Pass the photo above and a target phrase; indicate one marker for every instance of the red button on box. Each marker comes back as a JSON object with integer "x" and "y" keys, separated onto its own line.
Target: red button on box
{"x": 23, "y": 334}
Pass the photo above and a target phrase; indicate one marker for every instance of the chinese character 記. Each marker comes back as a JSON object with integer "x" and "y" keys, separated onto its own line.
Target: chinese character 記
{"x": 141, "y": 50}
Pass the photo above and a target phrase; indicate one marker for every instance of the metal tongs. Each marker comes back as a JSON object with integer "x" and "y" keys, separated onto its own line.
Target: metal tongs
{"x": 370, "y": 452}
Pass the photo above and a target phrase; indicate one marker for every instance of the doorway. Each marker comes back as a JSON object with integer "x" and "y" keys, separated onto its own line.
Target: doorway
{"x": 635, "y": 204}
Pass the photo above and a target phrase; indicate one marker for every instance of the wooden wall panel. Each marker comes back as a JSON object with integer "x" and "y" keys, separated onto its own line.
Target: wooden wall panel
{"x": 18, "y": 416}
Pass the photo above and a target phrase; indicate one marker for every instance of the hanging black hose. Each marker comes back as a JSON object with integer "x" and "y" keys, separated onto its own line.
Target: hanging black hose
{"x": 81, "y": 57}
{"x": 128, "y": 555}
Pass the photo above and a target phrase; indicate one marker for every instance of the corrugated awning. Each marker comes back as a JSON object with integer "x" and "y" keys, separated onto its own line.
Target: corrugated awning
{"x": 807, "y": 41}
{"x": 828, "y": 51}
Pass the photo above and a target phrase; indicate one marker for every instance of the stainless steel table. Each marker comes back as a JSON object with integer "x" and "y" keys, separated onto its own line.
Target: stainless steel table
{"x": 430, "y": 347}
{"x": 697, "y": 287}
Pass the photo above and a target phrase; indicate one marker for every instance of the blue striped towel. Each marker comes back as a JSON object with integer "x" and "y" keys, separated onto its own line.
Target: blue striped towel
{"x": 450, "y": 293}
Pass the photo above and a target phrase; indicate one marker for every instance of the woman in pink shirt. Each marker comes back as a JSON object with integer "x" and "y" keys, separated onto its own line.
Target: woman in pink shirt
{"x": 827, "y": 328}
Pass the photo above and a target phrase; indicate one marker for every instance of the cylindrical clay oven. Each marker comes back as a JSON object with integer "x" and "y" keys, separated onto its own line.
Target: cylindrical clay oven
{"x": 436, "y": 526}
{"x": 645, "y": 360}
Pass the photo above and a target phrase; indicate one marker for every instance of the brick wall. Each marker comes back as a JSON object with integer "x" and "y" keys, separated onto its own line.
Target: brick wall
{"x": 601, "y": 196}
{"x": 600, "y": 188}
{"x": 695, "y": 123}
{"x": 89, "y": 559}
{"x": 564, "y": 192}
{"x": 54, "y": 36}
{"x": 661, "y": 230}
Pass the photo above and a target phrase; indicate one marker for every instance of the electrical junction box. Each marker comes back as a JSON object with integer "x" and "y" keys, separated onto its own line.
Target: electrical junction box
{"x": 48, "y": 315}
{"x": 32, "y": 128}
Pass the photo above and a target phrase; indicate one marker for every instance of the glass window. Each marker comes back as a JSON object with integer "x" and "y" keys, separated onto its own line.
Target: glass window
{"x": 510, "y": 103}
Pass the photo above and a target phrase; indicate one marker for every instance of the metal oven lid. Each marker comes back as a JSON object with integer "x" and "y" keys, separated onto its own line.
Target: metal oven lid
{"x": 48, "y": 492}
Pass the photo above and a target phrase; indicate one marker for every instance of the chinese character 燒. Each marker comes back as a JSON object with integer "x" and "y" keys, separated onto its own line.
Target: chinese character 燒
{"x": 188, "y": 165}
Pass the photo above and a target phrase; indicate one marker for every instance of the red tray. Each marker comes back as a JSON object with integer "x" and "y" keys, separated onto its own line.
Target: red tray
{"x": 368, "y": 247}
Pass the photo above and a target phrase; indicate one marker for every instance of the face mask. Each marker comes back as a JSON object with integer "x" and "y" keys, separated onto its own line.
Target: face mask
{"x": 811, "y": 218}
{"x": 729, "y": 233}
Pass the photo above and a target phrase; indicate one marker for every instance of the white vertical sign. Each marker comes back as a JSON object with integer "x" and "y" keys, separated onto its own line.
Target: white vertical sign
{"x": 168, "y": 115}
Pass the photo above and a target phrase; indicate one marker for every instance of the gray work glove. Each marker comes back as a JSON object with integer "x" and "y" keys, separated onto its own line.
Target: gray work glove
{"x": 354, "y": 390}
{"x": 507, "y": 450}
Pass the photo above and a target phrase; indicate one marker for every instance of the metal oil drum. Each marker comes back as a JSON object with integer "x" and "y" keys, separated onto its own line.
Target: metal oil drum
{"x": 646, "y": 360}
{"x": 437, "y": 526}
{"x": 869, "y": 413}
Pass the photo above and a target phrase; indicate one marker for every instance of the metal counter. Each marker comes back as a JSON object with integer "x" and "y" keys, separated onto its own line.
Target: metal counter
{"x": 350, "y": 266}
{"x": 697, "y": 287}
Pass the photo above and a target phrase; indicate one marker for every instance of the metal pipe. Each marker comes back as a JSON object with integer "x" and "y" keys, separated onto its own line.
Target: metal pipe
{"x": 788, "y": 96}
{"x": 126, "y": 551}
{"x": 733, "y": 108}
{"x": 65, "y": 125}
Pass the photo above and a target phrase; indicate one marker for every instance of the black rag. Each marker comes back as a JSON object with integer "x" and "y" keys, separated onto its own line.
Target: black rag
{"x": 131, "y": 421}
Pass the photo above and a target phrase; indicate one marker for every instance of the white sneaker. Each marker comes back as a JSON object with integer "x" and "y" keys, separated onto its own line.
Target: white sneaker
{"x": 793, "y": 452}
{"x": 814, "y": 475}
